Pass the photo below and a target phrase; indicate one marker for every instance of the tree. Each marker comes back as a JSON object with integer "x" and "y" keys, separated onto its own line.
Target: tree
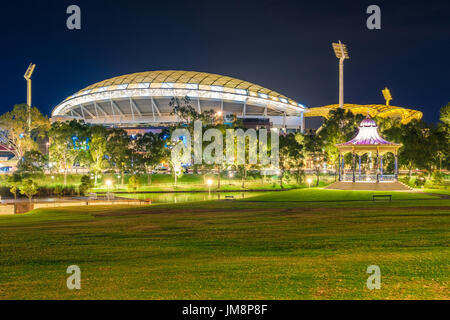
{"x": 28, "y": 188}
{"x": 444, "y": 132}
{"x": 32, "y": 162}
{"x": 98, "y": 149}
{"x": 14, "y": 182}
{"x": 420, "y": 144}
{"x": 291, "y": 154}
{"x": 67, "y": 141}
{"x": 119, "y": 152}
{"x": 152, "y": 151}
{"x": 186, "y": 113}
{"x": 339, "y": 127}
{"x": 14, "y": 131}
{"x": 86, "y": 184}
{"x": 445, "y": 114}
{"x": 133, "y": 183}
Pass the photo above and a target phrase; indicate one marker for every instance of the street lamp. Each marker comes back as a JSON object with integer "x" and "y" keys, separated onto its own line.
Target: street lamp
{"x": 309, "y": 180}
{"x": 209, "y": 182}
{"x": 108, "y": 184}
{"x": 341, "y": 52}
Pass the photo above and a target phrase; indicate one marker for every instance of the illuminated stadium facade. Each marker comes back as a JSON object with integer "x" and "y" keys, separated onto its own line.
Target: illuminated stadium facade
{"x": 374, "y": 110}
{"x": 142, "y": 100}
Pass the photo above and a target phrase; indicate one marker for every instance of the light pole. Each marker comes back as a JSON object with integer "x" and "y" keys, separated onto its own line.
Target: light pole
{"x": 27, "y": 77}
{"x": 108, "y": 184}
{"x": 209, "y": 182}
{"x": 341, "y": 52}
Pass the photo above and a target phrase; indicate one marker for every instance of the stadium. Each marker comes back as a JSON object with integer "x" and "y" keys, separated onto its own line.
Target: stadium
{"x": 404, "y": 115}
{"x": 141, "y": 100}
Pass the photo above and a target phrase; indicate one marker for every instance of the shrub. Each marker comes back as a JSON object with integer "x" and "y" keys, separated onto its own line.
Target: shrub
{"x": 28, "y": 188}
{"x": 420, "y": 181}
{"x": 86, "y": 184}
{"x": 437, "y": 177}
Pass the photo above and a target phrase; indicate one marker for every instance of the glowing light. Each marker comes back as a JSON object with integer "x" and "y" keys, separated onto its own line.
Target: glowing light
{"x": 108, "y": 183}
{"x": 230, "y": 175}
{"x": 209, "y": 182}
{"x": 309, "y": 180}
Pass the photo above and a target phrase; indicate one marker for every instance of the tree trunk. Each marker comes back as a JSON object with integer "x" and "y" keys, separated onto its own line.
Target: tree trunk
{"x": 318, "y": 178}
{"x": 122, "y": 171}
{"x": 281, "y": 178}
{"x": 65, "y": 176}
{"x": 218, "y": 177}
{"x": 175, "y": 174}
{"x": 95, "y": 178}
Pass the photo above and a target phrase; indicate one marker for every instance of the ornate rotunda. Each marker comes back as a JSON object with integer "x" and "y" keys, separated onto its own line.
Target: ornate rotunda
{"x": 367, "y": 141}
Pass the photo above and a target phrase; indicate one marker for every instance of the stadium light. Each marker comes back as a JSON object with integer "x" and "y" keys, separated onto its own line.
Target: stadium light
{"x": 341, "y": 52}
{"x": 27, "y": 77}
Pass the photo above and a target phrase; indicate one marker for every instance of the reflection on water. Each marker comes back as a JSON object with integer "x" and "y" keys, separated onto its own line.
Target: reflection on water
{"x": 188, "y": 197}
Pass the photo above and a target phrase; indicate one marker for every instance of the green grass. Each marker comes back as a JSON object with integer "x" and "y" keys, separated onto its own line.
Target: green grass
{"x": 300, "y": 244}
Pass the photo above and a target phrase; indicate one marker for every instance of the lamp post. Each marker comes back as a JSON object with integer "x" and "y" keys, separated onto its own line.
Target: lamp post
{"x": 341, "y": 52}
{"x": 209, "y": 183}
{"x": 27, "y": 77}
{"x": 108, "y": 185}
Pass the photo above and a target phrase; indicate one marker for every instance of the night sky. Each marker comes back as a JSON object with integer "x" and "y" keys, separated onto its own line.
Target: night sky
{"x": 282, "y": 45}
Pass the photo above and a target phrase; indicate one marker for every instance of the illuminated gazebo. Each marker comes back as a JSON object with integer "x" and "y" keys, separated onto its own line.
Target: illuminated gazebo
{"x": 367, "y": 141}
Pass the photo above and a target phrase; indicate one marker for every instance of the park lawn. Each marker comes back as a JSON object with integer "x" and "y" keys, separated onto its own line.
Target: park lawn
{"x": 257, "y": 248}
{"x": 438, "y": 191}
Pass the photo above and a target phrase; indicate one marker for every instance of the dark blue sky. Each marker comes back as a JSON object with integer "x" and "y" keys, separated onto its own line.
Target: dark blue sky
{"x": 282, "y": 45}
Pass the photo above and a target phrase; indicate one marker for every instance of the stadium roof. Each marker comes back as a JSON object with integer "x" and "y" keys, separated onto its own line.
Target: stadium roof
{"x": 161, "y": 82}
{"x": 374, "y": 110}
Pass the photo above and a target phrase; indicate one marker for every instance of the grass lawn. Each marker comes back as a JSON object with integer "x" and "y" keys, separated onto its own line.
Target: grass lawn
{"x": 299, "y": 244}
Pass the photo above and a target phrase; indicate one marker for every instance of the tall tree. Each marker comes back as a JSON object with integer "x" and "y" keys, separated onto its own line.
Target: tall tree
{"x": 98, "y": 149}
{"x": 291, "y": 154}
{"x": 68, "y": 143}
{"x": 339, "y": 127}
{"x": 33, "y": 162}
{"x": 14, "y": 129}
{"x": 119, "y": 152}
{"x": 151, "y": 150}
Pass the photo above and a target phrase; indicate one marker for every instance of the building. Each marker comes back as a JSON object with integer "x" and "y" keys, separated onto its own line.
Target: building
{"x": 141, "y": 100}
{"x": 314, "y": 116}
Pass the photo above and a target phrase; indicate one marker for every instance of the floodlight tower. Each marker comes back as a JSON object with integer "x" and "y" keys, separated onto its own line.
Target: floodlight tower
{"x": 340, "y": 50}
{"x": 27, "y": 77}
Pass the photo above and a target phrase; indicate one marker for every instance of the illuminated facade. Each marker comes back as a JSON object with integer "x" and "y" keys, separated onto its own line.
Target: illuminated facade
{"x": 374, "y": 110}
{"x": 142, "y": 100}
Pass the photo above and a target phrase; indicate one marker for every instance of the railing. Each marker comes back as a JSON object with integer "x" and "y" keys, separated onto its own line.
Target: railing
{"x": 387, "y": 178}
{"x": 348, "y": 177}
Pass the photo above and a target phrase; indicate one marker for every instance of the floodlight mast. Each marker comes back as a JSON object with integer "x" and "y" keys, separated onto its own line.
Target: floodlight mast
{"x": 341, "y": 52}
{"x": 27, "y": 77}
